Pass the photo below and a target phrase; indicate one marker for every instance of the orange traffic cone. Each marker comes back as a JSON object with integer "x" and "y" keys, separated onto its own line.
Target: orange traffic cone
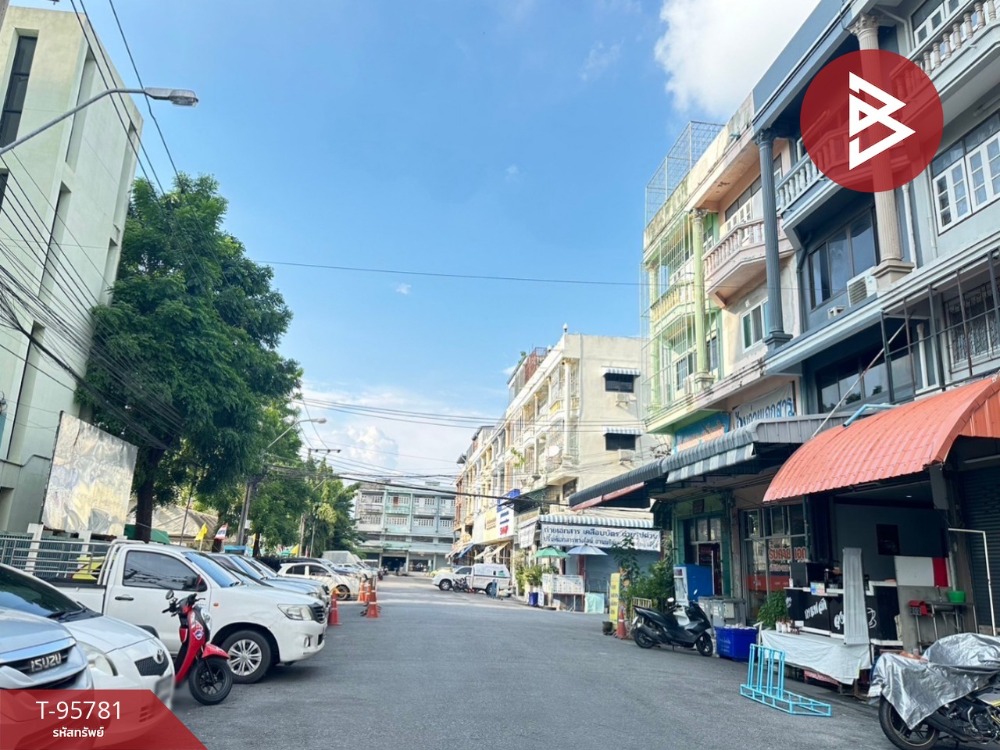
{"x": 621, "y": 623}
{"x": 334, "y": 617}
{"x": 363, "y": 595}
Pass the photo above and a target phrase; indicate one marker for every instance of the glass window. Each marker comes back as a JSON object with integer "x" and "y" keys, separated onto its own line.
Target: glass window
{"x": 863, "y": 244}
{"x": 715, "y": 529}
{"x": 875, "y": 383}
{"x": 17, "y": 88}
{"x": 150, "y": 570}
{"x": 24, "y": 593}
{"x": 751, "y": 524}
{"x": 796, "y": 519}
{"x": 840, "y": 265}
{"x": 778, "y": 521}
{"x": 702, "y": 529}
{"x": 820, "y": 275}
{"x": 619, "y": 383}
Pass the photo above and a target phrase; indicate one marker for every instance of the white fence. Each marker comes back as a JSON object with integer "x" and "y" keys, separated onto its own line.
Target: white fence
{"x": 49, "y": 556}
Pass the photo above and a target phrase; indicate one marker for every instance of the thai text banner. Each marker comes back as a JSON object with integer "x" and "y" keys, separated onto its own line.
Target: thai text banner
{"x": 597, "y": 536}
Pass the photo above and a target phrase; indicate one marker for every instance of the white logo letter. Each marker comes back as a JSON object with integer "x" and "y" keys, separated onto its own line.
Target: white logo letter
{"x": 863, "y": 115}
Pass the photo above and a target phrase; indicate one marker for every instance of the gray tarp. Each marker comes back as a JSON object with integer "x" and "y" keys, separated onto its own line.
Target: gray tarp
{"x": 955, "y": 666}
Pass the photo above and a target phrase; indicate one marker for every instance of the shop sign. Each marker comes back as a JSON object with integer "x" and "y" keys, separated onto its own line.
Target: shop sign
{"x": 614, "y": 591}
{"x": 526, "y": 535}
{"x": 779, "y": 404}
{"x": 559, "y": 535}
{"x": 505, "y": 522}
{"x": 701, "y": 431}
{"x": 479, "y": 529}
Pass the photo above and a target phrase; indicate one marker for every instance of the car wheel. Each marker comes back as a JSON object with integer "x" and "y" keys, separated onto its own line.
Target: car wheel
{"x": 249, "y": 656}
{"x": 445, "y": 585}
{"x": 343, "y": 593}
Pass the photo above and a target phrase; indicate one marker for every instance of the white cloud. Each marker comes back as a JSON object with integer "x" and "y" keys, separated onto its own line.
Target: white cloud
{"x": 715, "y": 51}
{"x": 600, "y": 59}
{"x": 512, "y": 172}
{"x": 373, "y": 445}
{"x": 404, "y": 289}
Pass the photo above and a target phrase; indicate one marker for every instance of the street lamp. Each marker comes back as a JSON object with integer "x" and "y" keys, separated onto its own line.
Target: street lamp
{"x": 180, "y": 97}
{"x": 250, "y": 484}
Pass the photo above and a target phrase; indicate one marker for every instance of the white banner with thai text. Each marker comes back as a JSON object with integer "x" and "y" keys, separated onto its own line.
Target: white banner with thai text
{"x": 559, "y": 535}
{"x": 779, "y": 404}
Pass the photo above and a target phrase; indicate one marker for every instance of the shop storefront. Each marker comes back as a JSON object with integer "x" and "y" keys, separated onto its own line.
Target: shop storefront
{"x": 901, "y": 489}
{"x": 773, "y": 539}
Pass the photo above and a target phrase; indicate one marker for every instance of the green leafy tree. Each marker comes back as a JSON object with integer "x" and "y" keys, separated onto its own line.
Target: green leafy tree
{"x": 188, "y": 346}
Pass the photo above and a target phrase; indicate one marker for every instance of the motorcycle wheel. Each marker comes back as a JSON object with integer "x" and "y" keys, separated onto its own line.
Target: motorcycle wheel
{"x": 642, "y": 638}
{"x": 900, "y": 735}
{"x": 210, "y": 681}
{"x": 704, "y": 644}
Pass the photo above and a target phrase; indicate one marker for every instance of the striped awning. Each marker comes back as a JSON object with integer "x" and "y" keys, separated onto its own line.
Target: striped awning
{"x": 621, "y": 430}
{"x": 644, "y": 521}
{"x": 621, "y": 371}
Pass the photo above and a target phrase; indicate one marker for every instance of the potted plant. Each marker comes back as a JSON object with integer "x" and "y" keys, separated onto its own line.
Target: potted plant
{"x": 774, "y": 610}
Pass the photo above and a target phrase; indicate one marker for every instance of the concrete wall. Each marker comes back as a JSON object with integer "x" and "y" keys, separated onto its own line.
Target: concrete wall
{"x": 89, "y": 163}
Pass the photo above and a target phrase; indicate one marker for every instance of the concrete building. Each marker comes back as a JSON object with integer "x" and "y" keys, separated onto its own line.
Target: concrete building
{"x": 405, "y": 527}
{"x": 886, "y": 300}
{"x": 573, "y": 419}
{"x": 63, "y": 201}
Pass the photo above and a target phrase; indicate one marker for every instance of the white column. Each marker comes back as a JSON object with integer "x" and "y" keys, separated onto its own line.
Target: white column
{"x": 891, "y": 266}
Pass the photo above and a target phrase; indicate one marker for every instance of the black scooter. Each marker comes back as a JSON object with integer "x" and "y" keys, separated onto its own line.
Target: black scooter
{"x": 651, "y": 628}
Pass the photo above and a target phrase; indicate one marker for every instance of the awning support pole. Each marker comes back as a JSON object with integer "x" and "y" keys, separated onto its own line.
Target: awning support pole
{"x": 989, "y": 577}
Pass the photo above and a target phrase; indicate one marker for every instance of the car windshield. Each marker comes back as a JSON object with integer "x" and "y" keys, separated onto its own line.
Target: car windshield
{"x": 245, "y": 568}
{"x": 24, "y": 593}
{"x": 265, "y": 572}
{"x": 213, "y": 570}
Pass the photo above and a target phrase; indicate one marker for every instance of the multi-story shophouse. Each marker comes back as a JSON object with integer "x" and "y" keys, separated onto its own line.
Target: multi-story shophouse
{"x": 887, "y": 299}
{"x": 63, "y": 201}
{"x": 405, "y": 527}
{"x": 573, "y": 417}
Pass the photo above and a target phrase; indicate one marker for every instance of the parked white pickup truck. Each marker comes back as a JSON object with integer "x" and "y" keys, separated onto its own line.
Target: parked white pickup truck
{"x": 258, "y": 626}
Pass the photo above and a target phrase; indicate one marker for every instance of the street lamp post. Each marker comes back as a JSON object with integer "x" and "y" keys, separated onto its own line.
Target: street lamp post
{"x": 253, "y": 481}
{"x": 180, "y": 97}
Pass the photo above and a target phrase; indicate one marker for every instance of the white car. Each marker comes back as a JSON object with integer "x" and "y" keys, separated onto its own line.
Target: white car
{"x": 445, "y": 579}
{"x": 121, "y": 656}
{"x": 343, "y": 587}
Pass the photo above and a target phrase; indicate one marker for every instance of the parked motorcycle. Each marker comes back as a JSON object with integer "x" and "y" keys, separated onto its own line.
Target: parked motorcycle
{"x": 651, "y": 628}
{"x": 953, "y": 691}
{"x": 460, "y": 584}
{"x": 204, "y": 665}
{"x": 381, "y": 573}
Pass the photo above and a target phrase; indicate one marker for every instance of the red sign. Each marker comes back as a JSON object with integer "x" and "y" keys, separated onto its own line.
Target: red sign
{"x": 90, "y": 720}
{"x": 871, "y": 121}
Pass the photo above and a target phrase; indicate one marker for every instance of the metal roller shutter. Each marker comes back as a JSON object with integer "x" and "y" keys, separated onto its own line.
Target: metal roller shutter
{"x": 981, "y": 510}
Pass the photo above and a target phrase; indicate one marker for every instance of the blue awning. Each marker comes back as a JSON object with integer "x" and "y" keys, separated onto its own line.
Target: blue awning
{"x": 463, "y": 552}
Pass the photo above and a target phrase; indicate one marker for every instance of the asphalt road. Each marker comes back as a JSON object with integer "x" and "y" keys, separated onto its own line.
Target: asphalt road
{"x": 444, "y": 670}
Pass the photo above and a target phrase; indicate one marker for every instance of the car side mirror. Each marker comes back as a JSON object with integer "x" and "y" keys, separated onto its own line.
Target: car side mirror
{"x": 201, "y": 586}
{"x": 170, "y": 595}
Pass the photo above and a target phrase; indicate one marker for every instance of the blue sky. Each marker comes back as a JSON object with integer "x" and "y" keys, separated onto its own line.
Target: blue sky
{"x": 487, "y": 137}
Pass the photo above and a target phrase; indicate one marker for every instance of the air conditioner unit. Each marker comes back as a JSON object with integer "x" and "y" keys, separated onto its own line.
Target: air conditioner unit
{"x": 625, "y": 455}
{"x": 861, "y": 288}
{"x": 833, "y": 312}
{"x": 623, "y": 399}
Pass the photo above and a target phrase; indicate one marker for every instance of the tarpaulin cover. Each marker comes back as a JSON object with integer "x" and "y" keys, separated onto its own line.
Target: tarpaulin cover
{"x": 955, "y": 666}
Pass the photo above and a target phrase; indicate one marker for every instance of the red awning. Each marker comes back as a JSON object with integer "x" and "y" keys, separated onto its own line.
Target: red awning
{"x": 895, "y": 443}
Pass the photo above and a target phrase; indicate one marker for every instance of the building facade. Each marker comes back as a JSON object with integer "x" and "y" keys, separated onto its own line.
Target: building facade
{"x": 573, "y": 419}
{"x": 853, "y": 329}
{"x": 405, "y": 527}
{"x": 63, "y": 201}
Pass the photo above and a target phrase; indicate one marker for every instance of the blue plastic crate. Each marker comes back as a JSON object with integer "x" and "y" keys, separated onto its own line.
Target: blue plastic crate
{"x": 735, "y": 643}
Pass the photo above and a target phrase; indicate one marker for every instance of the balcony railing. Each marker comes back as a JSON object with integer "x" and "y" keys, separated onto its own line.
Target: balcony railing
{"x": 738, "y": 245}
{"x": 679, "y": 294}
{"x": 799, "y": 179}
{"x": 950, "y": 28}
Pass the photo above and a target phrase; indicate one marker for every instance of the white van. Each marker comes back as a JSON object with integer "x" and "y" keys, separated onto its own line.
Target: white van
{"x": 483, "y": 574}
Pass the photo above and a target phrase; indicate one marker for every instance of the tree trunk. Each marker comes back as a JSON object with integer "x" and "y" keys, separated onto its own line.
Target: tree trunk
{"x": 144, "y": 495}
{"x": 256, "y": 544}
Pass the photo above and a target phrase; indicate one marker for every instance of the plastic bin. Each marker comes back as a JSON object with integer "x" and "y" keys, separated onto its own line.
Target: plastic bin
{"x": 734, "y": 643}
{"x": 533, "y": 599}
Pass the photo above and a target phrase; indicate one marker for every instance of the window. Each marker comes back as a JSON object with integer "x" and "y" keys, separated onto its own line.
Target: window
{"x": 616, "y": 382}
{"x": 371, "y": 520}
{"x": 297, "y": 570}
{"x": 745, "y": 208}
{"x": 149, "y": 570}
{"x": 713, "y": 354}
{"x": 930, "y": 17}
{"x": 613, "y": 442}
{"x": 773, "y": 538}
{"x": 685, "y": 364}
{"x": 17, "y": 87}
{"x": 754, "y": 323}
{"x": 966, "y": 177}
{"x": 397, "y": 521}
{"x": 972, "y": 331}
{"x": 848, "y": 252}
{"x": 423, "y": 522}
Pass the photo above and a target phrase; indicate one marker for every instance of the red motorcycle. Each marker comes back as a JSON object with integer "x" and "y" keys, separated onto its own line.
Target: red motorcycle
{"x": 204, "y": 665}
